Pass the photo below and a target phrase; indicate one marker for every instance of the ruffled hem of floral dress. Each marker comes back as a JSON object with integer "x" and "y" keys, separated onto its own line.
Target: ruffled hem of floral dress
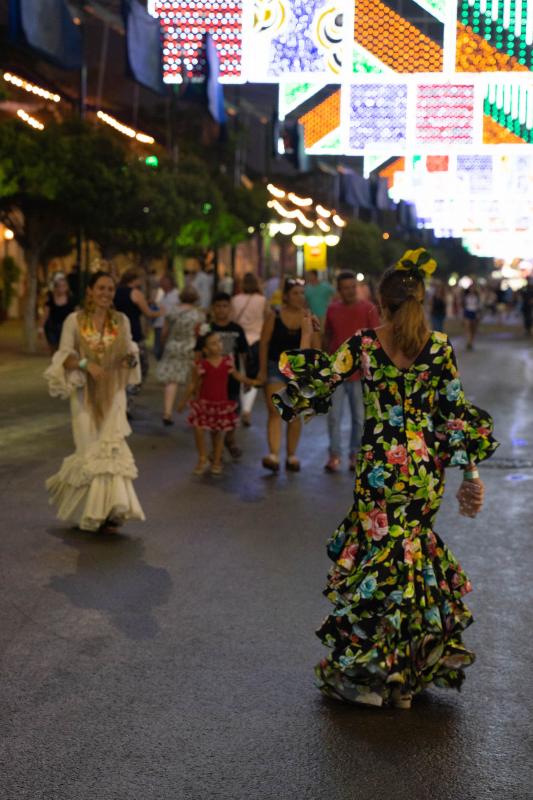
{"x": 398, "y": 620}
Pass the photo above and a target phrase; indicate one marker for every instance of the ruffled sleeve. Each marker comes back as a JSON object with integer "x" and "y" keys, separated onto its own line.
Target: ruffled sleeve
{"x": 463, "y": 430}
{"x": 134, "y": 373}
{"x": 62, "y": 382}
{"x": 313, "y": 377}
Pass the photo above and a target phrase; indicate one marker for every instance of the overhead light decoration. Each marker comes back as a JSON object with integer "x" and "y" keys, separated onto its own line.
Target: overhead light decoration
{"x": 275, "y": 192}
{"x": 125, "y": 129}
{"x": 34, "y": 123}
{"x": 332, "y": 239}
{"x": 20, "y": 83}
{"x": 339, "y": 221}
{"x": 8, "y": 234}
{"x": 304, "y": 202}
{"x": 323, "y": 212}
{"x": 323, "y": 225}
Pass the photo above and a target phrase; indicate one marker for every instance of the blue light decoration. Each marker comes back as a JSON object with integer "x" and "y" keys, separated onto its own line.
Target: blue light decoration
{"x": 378, "y": 114}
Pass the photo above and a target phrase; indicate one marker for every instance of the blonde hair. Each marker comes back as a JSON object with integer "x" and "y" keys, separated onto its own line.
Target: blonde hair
{"x": 401, "y": 295}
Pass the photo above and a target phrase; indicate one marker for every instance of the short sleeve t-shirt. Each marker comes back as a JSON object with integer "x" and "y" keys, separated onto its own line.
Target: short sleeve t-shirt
{"x": 318, "y": 297}
{"x": 342, "y": 321}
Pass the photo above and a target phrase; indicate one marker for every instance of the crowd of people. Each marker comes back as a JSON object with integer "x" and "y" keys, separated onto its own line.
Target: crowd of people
{"x": 396, "y": 627}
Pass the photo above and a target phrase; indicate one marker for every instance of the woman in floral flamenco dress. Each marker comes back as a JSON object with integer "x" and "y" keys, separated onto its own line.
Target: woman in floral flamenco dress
{"x": 396, "y": 588}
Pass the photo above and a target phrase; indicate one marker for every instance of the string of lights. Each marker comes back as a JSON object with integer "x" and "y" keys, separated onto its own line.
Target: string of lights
{"x": 20, "y": 83}
{"x": 125, "y": 129}
{"x": 34, "y": 123}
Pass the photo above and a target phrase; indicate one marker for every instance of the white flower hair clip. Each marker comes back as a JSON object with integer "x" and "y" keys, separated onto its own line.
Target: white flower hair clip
{"x": 205, "y": 328}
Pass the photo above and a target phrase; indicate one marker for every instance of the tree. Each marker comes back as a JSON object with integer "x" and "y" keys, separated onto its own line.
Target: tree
{"x": 361, "y": 248}
{"x": 54, "y": 183}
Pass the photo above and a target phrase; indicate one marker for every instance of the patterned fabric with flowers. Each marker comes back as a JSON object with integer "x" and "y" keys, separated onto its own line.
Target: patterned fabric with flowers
{"x": 396, "y": 588}
{"x": 98, "y": 342}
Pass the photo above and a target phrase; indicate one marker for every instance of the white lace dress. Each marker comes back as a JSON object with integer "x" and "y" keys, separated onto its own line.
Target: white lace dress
{"x": 95, "y": 482}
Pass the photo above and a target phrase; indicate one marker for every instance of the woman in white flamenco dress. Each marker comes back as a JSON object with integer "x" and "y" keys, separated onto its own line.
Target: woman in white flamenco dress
{"x": 95, "y": 362}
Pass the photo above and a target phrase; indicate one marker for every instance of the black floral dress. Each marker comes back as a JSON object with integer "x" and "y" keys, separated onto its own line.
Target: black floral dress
{"x": 397, "y": 590}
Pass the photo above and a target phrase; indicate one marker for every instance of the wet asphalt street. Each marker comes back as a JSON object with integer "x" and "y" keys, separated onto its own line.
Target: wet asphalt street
{"x": 174, "y": 662}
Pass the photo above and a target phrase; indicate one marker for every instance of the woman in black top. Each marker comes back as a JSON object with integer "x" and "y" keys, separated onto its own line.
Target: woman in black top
{"x": 59, "y": 304}
{"x": 281, "y": 332}
{"x": 130, "y": 300}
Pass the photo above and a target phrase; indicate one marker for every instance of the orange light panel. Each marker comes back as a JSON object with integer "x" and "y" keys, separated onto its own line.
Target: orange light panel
{"x": 475, "y": 54}
{"x": 494, "y": 133}
{"x": 394, "y": 40}
{"x": 322, "y": 119}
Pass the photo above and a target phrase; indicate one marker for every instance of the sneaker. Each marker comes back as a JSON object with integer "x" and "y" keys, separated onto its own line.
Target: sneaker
{"x": 333, "y": 465}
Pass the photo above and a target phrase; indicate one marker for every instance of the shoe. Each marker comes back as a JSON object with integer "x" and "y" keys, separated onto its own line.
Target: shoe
{"x": 333, "y": 465}
{"x": 234, "y": 451}
{"x": 216, "y": 469}
{"x": 167, "y": 421}
{"x": 292, "y": 465}
{"x": 201, "y": 468}
{"x": 401, "y": 700}
{"x": 271, "y": 463}
{"x": 246, "y": 419}
{"x": 353, "y": 462}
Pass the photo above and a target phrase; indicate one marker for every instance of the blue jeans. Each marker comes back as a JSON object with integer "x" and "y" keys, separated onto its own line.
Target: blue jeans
{"x": 351, "y": 390}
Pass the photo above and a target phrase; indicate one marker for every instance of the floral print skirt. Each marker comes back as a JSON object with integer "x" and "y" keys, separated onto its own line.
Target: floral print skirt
{"x": 398, "y": 610}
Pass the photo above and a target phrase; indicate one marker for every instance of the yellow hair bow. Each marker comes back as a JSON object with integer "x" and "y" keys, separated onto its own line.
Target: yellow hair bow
{"x": 419, "y": 259}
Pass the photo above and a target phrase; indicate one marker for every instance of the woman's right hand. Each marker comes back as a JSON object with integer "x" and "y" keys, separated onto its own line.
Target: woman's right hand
{"x": 95, "y": 371}
{"x": 470, "y": 496}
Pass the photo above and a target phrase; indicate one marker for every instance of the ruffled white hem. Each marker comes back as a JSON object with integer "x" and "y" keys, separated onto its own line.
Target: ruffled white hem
{"x": 90, "y": 488}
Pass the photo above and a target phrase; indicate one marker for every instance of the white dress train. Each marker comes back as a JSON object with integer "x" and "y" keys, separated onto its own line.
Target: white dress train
{"x": 96, "y": 481}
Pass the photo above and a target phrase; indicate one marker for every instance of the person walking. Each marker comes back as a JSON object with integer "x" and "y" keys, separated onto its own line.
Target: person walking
{"x": 397, "y": 589}
{"x": 95, "y": 361}
{"x": 180, "y": 330}
{"x": 438, "y": 307}
{"x": 248, "y": 309}
{"x": 130, "y": 300}
{"x": 166, "y": 299}
{"x": 281, "y": 331}
{"x": 527, "y": 305}
{"x": 58, "y": 305}
{"x": 343, "y": 318}
{"x": 212, "y": 408}
{"x": 234, "y": 344}
{"x": 471, "y": 313}
{"x": 318, "y": 294}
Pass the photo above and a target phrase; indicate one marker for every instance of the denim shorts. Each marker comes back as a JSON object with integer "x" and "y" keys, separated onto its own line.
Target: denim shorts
{"x": 274, "y": 375}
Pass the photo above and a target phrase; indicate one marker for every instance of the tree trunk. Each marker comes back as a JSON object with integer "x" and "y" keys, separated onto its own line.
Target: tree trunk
{"x": 30, "y": 328}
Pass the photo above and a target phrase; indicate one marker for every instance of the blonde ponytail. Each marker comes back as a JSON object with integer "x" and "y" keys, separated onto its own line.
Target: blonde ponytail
{"x": 409, "y": 326}
{"x": 402, "y": 301}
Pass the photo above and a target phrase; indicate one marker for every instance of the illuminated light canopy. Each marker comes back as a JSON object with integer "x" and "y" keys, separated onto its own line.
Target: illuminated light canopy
{"x": 323, "y": 212}
{"x": 124, "y": 129}
{"x": 299, "y": 239}
{"x": 339, "y": 221}
{"x": 34, "y": 123}
{"x": 275, "y": 192}
{"x": 184, "y": 26}
{"x": 287, "y": 228}
{"x": 20, "y": 83}
{"x": 323, "y": 225}
{"x": 8, "y": 234}
{"x": 300, "y": 201}
{"x": 332, "y": 239}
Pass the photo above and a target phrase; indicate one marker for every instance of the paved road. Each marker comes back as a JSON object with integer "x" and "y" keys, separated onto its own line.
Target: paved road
{"x": 175, "y": 662}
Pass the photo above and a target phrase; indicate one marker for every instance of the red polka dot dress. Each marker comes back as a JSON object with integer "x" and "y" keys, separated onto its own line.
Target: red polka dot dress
{"x": 212, "y": 410}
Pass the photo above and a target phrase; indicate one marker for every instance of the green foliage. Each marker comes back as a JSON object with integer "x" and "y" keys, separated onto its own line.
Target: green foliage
{"x": 361, "y": 248}
{"x": 9, "y": 275}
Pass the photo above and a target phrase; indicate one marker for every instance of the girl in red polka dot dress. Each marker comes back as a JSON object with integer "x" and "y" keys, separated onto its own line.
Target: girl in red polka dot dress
{"x": 211, "y": 409}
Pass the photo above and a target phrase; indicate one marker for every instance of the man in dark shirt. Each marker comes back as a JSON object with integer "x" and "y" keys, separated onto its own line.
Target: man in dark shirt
{"x": 234, "y": 344}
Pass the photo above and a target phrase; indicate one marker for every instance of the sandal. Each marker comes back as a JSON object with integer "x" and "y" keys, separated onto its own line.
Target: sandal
{"x": 292, "y": 464}
{"x": 216, "y": 469}
{"x": 234, "y": 451}
{"x": 271, "y": 463}
{"x": 401, "y": 699}
{"x": 246, "y": 419}
{"x": 168, "y": 421}
{"x": 201, "y": 468}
